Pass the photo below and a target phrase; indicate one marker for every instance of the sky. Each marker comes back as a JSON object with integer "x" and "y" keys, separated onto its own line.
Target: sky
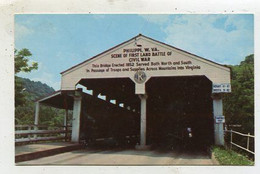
{"x": 60, "y": 41}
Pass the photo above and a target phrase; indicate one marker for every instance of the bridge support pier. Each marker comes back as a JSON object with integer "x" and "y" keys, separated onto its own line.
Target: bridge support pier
{"x": 143, "y": 145}
{"x": 218, "y": 127}
{"x": 76, "y": 119}
{"x": 36, "y": 117}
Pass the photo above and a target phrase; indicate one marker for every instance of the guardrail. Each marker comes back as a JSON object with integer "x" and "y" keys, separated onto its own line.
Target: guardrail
{"x": 239, "y": 146}
{"x": 35, "y": 133}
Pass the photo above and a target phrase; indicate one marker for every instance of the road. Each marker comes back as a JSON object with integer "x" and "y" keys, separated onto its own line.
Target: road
{"x": 123, "y": 157}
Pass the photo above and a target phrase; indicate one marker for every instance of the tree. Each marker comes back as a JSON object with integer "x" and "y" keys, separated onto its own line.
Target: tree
{"x": 239, "y": 105}
{"x": 21, "y": 65}
{"x": 26, "y": 91}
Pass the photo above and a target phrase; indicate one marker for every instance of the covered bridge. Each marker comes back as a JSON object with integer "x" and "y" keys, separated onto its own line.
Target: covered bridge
{"x": 158, "y": 90}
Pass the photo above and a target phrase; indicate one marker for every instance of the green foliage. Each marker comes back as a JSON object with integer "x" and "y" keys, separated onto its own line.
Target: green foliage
{"x": 239, "y": 105}
{"x": 229, "y": 157}
{"x": 21, "y": 64}
{"x": 51, "y": 116}
{"x": 35, "y": 90}
{"x": 25, "y": 114}
{"x": 21, "y": 61}
{"x": 19, "y": 92}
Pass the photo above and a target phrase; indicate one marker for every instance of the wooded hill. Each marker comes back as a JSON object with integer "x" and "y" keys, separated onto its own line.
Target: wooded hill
{"x": 35, "y": 89}
{"x": 24, "y": 114}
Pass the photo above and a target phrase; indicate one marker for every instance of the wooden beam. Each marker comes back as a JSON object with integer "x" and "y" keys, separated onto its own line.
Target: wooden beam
{"x": 29, "y": 132}
{"x": 23, "y": 140}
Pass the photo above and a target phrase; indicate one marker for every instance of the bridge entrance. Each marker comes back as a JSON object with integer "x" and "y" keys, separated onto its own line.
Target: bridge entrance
{"x": 176, "y": 107}
{"x": 111, "y": 120}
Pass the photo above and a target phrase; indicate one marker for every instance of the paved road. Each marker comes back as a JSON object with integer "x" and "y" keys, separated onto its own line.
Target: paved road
{"x": 123, "y": 157}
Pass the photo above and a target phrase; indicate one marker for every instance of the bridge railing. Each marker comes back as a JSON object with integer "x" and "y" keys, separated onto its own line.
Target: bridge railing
{"x": 35, "y": 133}
{"x": 232, "y": 143}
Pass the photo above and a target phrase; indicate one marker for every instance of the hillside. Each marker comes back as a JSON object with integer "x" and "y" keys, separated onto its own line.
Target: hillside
{"x": 35, "y": 89}
{"x": 24, "y": 114}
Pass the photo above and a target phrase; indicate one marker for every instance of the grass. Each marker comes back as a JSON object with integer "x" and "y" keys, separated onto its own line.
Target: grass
{"x": 230, "y": 157}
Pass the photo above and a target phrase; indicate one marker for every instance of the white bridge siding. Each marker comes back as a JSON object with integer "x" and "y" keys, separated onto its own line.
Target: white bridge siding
{"x": 163, "y": 61}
